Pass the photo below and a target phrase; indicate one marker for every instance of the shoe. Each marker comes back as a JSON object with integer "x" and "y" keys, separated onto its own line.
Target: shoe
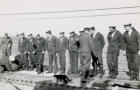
{"x": 128, "y": 73}
{"x": 114, "y": 76}
{"x": 48, "y": 72}
{"x": 110, "y": 76}
{"x": 101, "y": 74}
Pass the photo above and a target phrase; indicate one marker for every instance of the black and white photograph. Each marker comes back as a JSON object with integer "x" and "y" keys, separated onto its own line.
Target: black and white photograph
{"x": 69, "y": 44}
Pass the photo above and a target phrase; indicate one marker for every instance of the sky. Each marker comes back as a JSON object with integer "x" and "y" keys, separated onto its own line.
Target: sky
{"x": 39, "y": 23}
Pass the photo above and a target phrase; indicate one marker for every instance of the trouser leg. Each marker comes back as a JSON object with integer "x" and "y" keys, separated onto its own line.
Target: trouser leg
{"x": 128, "y": 57}
{"x": 55, "y": 70}
{"x": 71, "y": 56}
{"x": 22, "y": 62}
{"x": 31, "y": 60}
{"x": 6, "y": 62}
{"x": 62, "y": 60}
{"x": 76, "y": 62}
{"x": 94, "y": 64}
{"x": 115, "y": 63}
{"x": 131, "y": 64}
{"x": 85, "y": 64}
{"x": 135, "y": 66}
{"x": 73, "y": 61}
{"x": 101, "y": 71}
{"x": 109, "y": 62}
{"x": 50, "y": 70}
{"x": 26, "y": 62}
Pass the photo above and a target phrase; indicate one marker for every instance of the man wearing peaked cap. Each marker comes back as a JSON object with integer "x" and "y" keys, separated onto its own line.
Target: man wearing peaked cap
{"x": 125, "y": 25}
{"x": 30, "y": 34}
{"x": 22, "y": 34}
{"x": 6, "y": 47}
{"x": 86, "y": 47}
{"x": 22, "y": 47}
{"x": 113, "y": 27}
{"x": 73, "y": 52}
{"x": 40, "y": 44}
{"x": 116, "y": 42}
{"x": 72, "y": 32}
{"x": 86, "y": 29}
{"x": 49, "y": 32}
{"x": 132, "y": 43}
{"x": 81, "y": 32}
{"x": 31, "y": 50}
{"x": 62, "y": 32}
{"x": 52, "y": 48}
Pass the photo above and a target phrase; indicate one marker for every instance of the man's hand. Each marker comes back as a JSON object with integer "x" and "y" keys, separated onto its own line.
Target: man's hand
{"x": 25, "y": 52}
{"x": 9, "y": 46}
{"x": 139, "y": 53}
{"x": 43, "y": 52}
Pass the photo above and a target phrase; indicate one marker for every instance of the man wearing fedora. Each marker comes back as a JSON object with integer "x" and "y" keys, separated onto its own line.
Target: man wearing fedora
{"x": 132, "y": 42}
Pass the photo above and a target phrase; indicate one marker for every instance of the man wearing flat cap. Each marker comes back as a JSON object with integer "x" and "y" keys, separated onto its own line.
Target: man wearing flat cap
{"x": 52, "y": 48}
{"x": 31, "y": 50}
{"x": 6, "y": 46}
{"x": 132, "y": 44}
{"x": 63, "y": 47}
{"x": 73, "y": 52}
{"x": 40, "y": 44}
{"x": 22, "y": 47}
{"x": 116, "y": 42}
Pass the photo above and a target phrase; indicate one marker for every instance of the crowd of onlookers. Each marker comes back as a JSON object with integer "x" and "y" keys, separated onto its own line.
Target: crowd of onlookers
{"x": 88, "y": 44}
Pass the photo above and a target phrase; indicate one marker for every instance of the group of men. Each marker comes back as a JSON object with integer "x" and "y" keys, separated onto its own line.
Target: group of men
{"x": 89, "y": 44}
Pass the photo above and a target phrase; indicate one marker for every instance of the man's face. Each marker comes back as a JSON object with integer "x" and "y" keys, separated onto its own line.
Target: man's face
{"x": 92, "y": 31}
{"x": 22, "y": 36}
{"x": 48, "y": 35}
{"x": 111, "y": 30}
{"x": 61, "y": 35}
{"x": 6, "y": 35}
{"x": 72, "y": 34}
{"x": 38, "y": 37}
{"x": 127, "y": 28}
{"x": 30, "y": 36}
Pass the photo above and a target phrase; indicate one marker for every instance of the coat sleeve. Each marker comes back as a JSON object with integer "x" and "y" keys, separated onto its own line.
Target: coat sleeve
{"x": 11, "y": 43}
{"x": 67, "y": 43}
{"x": 56, "y": 44}
{"x": 44, "y": 43}
{"x": 92, "y": 45}
{"x": 1, "y": 43}
{"x": 26, "y": 43}
{"x": 102, "y": 41}
{"x": 138, "y": 40}
{"x": 122, "y": 43}
{"x": 18, "y": 45}
{"x": 124, "y": 40}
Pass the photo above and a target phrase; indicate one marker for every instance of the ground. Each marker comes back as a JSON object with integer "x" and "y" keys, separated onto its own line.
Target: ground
{"x": 26, "y": 80}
